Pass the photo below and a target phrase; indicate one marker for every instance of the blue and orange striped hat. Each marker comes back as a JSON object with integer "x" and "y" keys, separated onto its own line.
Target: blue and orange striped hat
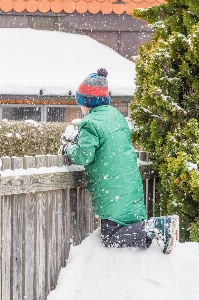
{"x": 93, "y": 91}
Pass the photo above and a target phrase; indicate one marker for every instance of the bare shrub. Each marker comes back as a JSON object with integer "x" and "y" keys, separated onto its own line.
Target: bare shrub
{"x": 19, "y": 138}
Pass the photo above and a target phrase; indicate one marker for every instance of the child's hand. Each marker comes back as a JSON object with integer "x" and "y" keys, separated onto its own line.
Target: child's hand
{"x": 63, "y": 149}
{"x": 70, "y": 135}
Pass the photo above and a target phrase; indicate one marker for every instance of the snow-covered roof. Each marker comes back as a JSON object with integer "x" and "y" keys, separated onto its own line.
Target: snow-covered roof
{"x": 57, "y": 62}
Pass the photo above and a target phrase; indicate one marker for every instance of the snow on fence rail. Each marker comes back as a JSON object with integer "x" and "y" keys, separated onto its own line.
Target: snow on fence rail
{"x": 44, "y": 209}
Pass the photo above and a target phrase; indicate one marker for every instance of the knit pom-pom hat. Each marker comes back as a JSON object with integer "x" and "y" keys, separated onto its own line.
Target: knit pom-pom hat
{"x": 93, "y": 91}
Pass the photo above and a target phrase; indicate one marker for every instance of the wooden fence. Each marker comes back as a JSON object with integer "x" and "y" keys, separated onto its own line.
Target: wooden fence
{"x": 44, "y": 209}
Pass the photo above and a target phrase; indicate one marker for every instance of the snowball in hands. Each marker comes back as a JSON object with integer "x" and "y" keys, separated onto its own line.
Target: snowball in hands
{"x": 70, "y": 134}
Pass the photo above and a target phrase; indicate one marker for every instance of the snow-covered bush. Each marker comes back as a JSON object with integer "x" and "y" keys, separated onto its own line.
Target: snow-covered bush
{"x": 29, "y": 137}
{"x": 165, "y": 111}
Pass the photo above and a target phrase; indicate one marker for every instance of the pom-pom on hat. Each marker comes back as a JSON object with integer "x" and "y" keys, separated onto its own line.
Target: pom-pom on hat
{"x": 93, "y": 91}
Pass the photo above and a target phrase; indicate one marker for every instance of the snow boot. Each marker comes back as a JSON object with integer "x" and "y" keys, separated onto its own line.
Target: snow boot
{"x": 164, "y": 229}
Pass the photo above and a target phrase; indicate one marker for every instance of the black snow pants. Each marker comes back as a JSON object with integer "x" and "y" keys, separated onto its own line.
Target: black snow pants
{"x": 115, "y": 235}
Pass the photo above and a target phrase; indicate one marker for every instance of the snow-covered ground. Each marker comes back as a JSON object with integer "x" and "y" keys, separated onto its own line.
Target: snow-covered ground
{"x": 57, "y": 62}
{"x": 94, "y": 272}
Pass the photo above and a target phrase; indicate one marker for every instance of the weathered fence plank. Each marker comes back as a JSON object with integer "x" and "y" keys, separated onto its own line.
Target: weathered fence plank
{"x": 68, "y": 220}
{"x": 6, "y": 163}
{"x": 40, "y": 161}
{"x": 28, "y": 234}
{"x": 51, "y": 160}
{"x": 29, "y": 251}
{"x": 17, "y": 224}
{"x": 60, "y": 236}
{"x": 29, "y": 162}
{"x": 29, "y": 183}
{"x": 78, "y": 201}
{"x": 6, "y": 247}
{"x": 52, "y": 239}
{"x": 61, "y": 160}
{"x": 40, "y": 247}
{"x": 16, "y": 162}
{"x": 73, "y": 216}
{"x": 82, "y": 214}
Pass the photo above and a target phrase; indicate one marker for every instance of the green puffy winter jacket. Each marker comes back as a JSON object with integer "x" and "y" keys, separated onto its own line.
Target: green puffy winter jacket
{"x": 105, "y": 149}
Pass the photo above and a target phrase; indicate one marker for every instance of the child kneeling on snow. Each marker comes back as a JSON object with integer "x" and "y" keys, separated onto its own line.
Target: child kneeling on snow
{"x": 104, "y": 148}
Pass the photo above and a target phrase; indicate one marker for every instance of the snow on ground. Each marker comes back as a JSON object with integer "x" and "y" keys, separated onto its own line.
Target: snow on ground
{"x": 94, "y": 272}
{"x": 57, "y": 62}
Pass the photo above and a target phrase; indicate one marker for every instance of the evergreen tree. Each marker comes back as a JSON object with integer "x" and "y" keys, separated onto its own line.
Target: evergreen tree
{"x": 166, "y": 108}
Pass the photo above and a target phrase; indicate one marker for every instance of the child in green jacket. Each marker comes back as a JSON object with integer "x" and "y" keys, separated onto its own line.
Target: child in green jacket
{"x": 104, "y": 148}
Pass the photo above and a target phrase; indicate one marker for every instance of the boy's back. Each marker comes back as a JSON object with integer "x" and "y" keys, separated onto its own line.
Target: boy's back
{"x": 114, "y": 180}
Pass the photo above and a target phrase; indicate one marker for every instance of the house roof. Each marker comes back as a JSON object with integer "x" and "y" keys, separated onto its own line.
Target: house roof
{"x": 51, "y": 62}
{"x": 80, "y": 6}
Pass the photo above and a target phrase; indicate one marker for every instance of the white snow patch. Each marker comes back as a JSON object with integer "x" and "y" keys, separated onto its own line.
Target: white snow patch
{"x": 96, "y": 272}
{"x": 9, "y": 135}
{"x": 76, "y": 121}
{"x": 191, "y": 166}
{"x": 159, "y": 24}
{"x": 32, "y": 122}
{"x": 18, "y": 136}
{"x": 130, "y": 123}
{"x": 143, "y": 163}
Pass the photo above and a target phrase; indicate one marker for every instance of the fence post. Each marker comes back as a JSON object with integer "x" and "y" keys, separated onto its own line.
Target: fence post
{"x": 149, "y": 181}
